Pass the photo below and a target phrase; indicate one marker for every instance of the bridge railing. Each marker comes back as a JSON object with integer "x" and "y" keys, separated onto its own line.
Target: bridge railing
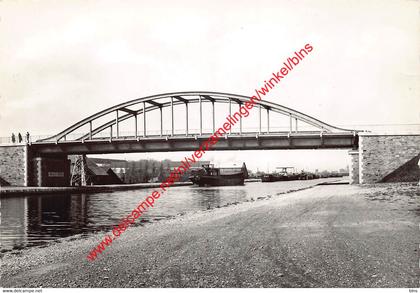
{"x": 155, "y": 133}
{"x": 32, "y": 138}
{"x": 387, "y": 128}
{"x": 178, "y": 133}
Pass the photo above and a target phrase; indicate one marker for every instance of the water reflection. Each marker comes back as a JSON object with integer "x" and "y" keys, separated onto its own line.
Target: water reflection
{"x": 40, "y": 219}
{"x": 56, "y": 216}
{"x": 14, "y": 224}
{"x": 207, "y": 198}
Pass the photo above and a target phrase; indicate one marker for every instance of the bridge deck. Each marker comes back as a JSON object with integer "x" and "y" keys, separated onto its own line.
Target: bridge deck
{"x": 248, "y": 141}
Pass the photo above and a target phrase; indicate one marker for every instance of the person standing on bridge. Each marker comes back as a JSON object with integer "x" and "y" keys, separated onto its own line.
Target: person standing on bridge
{"x": 19, "y": 137}
{"x": 13, "y": 138}
{"x": 27, "y": 136}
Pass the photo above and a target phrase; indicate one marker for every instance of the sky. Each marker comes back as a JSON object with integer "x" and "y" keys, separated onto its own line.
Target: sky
{"x": 61, "y": 61}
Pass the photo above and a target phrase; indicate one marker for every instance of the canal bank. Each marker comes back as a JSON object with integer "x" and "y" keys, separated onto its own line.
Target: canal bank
{"x": 326, "y": 236}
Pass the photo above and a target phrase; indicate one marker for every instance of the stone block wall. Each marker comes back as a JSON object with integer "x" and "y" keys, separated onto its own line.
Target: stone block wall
{"x": 13, "y": 164}
{"x": 381, "y": 154}
{"x": 354, "y": 167}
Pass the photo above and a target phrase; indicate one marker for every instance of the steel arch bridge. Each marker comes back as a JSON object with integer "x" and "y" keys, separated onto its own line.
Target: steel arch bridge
{"x": 100, "y": 133}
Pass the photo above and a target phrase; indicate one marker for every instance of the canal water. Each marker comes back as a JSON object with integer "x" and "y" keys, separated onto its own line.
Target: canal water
{"x": 33, "y": 220}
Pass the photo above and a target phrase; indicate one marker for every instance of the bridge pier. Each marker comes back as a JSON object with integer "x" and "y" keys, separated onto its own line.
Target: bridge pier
{"x": 50, "y": 171}
{"x": 381, "y": 155}
{"x": 21, "y": 166}
{"x": 354, "y": 166}
{"x": 15, "y": 165}
{"x": 385, "y": 158}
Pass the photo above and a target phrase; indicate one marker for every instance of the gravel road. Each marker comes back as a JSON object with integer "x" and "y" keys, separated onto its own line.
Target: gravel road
{"x": 326, "y": 236}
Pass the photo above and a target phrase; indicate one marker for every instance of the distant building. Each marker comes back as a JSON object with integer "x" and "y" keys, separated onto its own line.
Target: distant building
{"x": 101, "y": 175}
{"x": 97, "y": 174}
{"x": 144, "y": 170}
{"x": 119, "y": 167}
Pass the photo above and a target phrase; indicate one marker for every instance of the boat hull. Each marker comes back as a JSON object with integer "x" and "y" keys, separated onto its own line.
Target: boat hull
{"x": 227, "y": 180}
{"x": 274, "y": 178}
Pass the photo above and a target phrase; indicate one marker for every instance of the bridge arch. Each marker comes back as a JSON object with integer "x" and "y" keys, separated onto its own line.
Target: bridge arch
{"x": 170, "y": 100}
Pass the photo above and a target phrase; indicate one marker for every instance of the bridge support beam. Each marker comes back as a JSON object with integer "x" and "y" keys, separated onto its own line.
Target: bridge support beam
{"x": 172, "y": 116}
{"x": 144, "y": 119}
{"x": 213, "y": 116}
{"x": 135, "y": 126}
{"x": 186, "y": 119}
{"x": 117, "y": 119}
{"x": 230, "y": 113}
{"x": 201, "y": 115}
{"x": 90, "y": 130}
{"x": 161, "y": 121}
{"x": 240, "y": 119}
{"x": 268, "y": 120}
{"x": 290, "y": 123}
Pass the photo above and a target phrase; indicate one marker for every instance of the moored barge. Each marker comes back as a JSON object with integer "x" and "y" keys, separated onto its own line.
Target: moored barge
{"x": 208, "y": 175}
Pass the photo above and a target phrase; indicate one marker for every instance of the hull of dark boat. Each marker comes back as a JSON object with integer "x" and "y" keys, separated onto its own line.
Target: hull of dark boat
{"x": 222, "y": 180}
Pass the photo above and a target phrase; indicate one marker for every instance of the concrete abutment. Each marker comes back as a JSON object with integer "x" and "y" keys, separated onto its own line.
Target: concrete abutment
{"x": 379, "y": 155}
{"x": 354, "y": 167}
{"x": 20, "y": 167}
{"x": 15, "y": 165}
